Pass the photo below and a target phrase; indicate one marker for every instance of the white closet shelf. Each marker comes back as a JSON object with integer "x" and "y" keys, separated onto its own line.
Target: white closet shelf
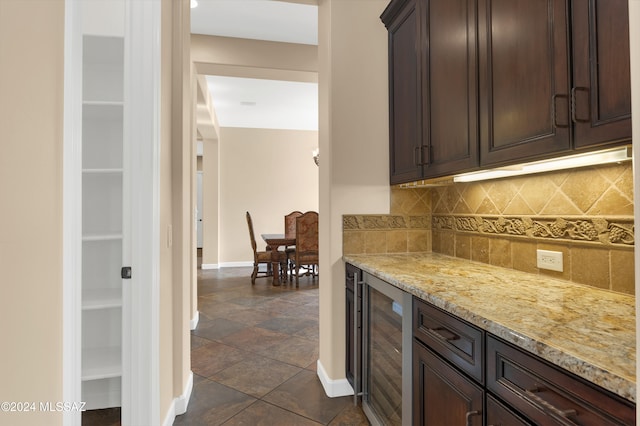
{"x": 102, "y": 111}
{"x": 102, "y": 103}
{"x": 102, "y": 237}
{"x": 102, "y": 171}
{"x": 101, "y": 298}
{"x": 101, "y": 363}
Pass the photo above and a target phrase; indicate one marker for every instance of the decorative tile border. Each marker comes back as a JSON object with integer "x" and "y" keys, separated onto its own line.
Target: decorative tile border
{"x": 607, "y": 231}
{"x": 384, "y": 222}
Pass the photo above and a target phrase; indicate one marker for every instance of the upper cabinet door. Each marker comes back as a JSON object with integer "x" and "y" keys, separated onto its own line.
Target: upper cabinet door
{"x": 601, "y": 93}
{"x": 524, "y": 79}
{"x": 405, "y": 138}
{"x": 450, "y": 76}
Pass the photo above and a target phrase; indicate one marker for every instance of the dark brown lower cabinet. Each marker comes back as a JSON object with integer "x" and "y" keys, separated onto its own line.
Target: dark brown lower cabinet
{"x": 514, "y": 388}
{"x": 547, "y": 394}
{"x": 441, "y": 394}
{"x": 499, "y": 415}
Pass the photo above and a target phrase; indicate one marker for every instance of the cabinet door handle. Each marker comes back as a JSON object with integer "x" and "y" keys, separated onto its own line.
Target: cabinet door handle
{"x": 440, "y": 332}
{"x": 426, "y": 148}
{"x": 469, "y": 415}
{"x": 574, "y": 114}
{"x": 416, "y": 155}
{"x": 562, "y": 415}
{"x": 554, "y": 111}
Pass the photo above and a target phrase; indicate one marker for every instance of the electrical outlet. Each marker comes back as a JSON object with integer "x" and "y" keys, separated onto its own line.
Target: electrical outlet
{"x": 551, "y": 260}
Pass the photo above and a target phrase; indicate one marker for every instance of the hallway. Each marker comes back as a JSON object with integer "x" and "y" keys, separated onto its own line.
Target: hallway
{"x": 254, "y": 355}
{"x": 253, "y": 358}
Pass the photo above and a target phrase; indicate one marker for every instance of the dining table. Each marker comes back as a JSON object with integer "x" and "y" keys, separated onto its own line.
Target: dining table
{"x": 274, "y": 241}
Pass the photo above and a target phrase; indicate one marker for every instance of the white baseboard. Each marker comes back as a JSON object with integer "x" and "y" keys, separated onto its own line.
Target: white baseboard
{"x": 226, "y": 265}
{"x": 236, "y": 264}
{"x": 179, "y": 404}
{"x": 194, "y": 321}
{"x": 333, "y": 388}
{"x": 182, "y": 401}
{"x": 209, "y": 266}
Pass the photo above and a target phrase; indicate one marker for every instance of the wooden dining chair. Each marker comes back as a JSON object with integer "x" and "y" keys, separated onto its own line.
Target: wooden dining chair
{"x": 290, "y": 232}
{"x": 263, "y": 257}
{"x": 306, "y": 255}
{"x": 290, "y": 223}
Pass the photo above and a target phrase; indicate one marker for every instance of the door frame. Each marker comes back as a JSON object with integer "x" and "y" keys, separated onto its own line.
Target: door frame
{"x": 72, "y": 213}
{"x": 199, "y": 215}
{"x": 141, "y": 294}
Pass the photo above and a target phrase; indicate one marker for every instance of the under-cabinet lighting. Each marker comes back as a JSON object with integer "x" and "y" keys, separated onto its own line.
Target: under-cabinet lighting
{"x": 615, "y": 155}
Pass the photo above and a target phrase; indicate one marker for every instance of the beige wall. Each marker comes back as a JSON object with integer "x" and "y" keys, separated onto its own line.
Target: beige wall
{"x": 208, "y": 130}
{"x": 31, "y": 117}
{"x": 354, "y": 168}
{"x": 254, "y": 59}
{"x": 268, "y": 173}
{"x": 182, "y": 202}
{"x": 210, "y": 203}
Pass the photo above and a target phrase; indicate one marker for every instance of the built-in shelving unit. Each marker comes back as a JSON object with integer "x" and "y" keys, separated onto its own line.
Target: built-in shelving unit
{"x": 111, "y": 214}
{"x": 103, "y": 212}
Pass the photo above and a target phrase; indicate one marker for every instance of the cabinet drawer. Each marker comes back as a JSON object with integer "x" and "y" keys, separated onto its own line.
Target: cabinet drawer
{"x": 499, "y": 415}
{"x": 549, "y": 395}
{"x": 455, "y": 340}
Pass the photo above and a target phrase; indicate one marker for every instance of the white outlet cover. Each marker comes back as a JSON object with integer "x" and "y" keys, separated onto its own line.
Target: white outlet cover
{"x": 551, "y": 260}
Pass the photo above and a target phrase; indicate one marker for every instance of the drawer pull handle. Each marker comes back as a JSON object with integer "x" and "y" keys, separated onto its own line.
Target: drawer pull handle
{"x": 469, "y": 415}
{"x": 440, "y": 332}
{"x": 546, "y": 406}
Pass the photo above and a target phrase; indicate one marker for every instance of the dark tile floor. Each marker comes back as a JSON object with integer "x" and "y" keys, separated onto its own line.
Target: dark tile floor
{"x": 253, "y": 356}
{"x": 106, "y": 417}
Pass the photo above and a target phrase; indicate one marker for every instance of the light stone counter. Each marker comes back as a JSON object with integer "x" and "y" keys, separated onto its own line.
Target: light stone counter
{"x": 584, "y": 330}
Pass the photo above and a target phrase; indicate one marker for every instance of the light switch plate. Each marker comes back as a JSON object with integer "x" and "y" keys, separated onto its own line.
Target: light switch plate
{"x": 551, "y": 260}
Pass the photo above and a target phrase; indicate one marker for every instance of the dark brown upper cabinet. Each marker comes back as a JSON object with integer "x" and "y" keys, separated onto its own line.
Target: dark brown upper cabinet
{"x": 554, "y": 77}
{"x": 601, "y": 91}
{"x": 405, "y": 138}
{"x": 524, "y": 79}
{"x": 432, "y": 88}
{"x": 450, "y": 88}
{"x": 485, "y": 83}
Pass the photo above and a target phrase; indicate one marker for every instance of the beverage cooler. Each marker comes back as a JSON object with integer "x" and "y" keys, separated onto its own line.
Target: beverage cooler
{"x": 386, "y": 353}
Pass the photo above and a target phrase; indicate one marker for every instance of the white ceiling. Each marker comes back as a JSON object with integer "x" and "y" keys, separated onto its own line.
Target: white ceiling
{"x": 265, "y": 104}
{"x": 255, "y": 103}
{"x": 257, "y": 19}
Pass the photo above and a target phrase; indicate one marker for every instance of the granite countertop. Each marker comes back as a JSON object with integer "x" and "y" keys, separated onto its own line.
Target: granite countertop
{"x": 584, "y": 330}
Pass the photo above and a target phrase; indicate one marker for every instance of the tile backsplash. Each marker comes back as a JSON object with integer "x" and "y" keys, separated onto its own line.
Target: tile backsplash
{"x": 406, "y": 229}
{"x": 591, "y": 191}
{"x": 587, "y": 214}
